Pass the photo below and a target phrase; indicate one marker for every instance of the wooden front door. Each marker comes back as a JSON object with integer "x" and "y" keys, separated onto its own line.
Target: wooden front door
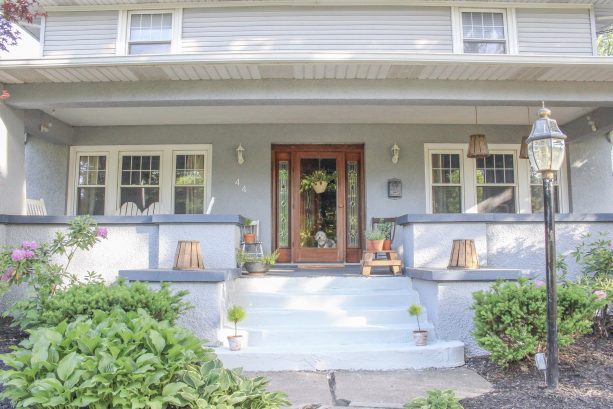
{"x": 311, "y": 224}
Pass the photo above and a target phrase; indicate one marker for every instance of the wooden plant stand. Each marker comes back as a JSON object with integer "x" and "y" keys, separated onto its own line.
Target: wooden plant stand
{"x": 369, "y": 260}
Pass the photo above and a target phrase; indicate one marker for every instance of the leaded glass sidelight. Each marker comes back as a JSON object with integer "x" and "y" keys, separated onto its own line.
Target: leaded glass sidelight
{"x": 283, "y": 204}
{"x": 353, "y": 204}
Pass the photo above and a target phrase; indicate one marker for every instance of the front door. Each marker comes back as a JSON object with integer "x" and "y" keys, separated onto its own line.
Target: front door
{"x": 318, "y": 212}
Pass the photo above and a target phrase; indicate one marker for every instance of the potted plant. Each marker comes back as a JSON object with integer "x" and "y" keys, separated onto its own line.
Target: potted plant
{"x": 385, "y": 228}
{"x": 255, "y": 264}
{"x": 374, "y": 240}
{"x": 248, "y": 233}
{"x": 236, "y": 314}
{"x": 318, "y": 181}
{"x": 420, "y": 337}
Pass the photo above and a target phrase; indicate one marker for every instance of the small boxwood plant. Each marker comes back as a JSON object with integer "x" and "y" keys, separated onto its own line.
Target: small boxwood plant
{"x": 415, "y": 310}
{"x": 236, "y": 314}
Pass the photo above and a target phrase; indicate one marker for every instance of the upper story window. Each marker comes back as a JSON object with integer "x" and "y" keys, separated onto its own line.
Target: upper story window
{"x": 484, "y": 32}
{"x": 150, "y": 33}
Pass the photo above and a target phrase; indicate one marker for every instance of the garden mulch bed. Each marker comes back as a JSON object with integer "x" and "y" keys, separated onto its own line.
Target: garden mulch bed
{"x": 586, "y": 380}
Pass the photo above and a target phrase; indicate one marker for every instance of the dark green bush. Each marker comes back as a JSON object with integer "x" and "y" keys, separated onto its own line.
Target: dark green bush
{"x": 124, "y": 360}
{"x": 510, "y": 319}
{"x": 85, "y": 298}
{"x": 436, "y": 399}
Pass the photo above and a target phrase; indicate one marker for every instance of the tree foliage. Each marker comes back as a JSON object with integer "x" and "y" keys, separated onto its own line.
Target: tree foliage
{"x": 15, "y": 12}
{"x": 605, "y": 42}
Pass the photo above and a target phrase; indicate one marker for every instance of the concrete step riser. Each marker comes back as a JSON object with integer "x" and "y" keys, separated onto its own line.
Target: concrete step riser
{"x": 324, "y": 302}
{"x": 443, "y": 356}
{"x": 353, "y": 336}
{"x": 318, "y": 285}
{"x": 348, "y": 317}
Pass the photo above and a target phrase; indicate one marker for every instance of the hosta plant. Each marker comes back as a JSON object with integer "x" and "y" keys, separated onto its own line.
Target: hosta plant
{"x": 117, "y": 360}
{"x": 436, "y": 399}
{"x": 85, "y": 298}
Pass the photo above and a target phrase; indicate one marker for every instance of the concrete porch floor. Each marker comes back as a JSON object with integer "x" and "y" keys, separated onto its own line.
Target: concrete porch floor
{"x": 374, "y": 389}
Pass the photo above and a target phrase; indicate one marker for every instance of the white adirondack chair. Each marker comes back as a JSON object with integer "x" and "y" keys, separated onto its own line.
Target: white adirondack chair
{"x": 129, "y": 209}
{"x": 211, "y": 203}
{"x": 36, "y": 207}
{"x": 154, "y": 208}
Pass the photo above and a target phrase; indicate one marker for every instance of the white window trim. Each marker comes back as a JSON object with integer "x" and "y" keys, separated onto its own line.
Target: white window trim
{"x": 113, "y": 154}
{"x": 143, "y": 152}
{"x": 174, "y": 172}
{"x": 510, "y": 25}
{"x": 458, "y": 150}
{"x": 469, "y": 185}
{"x": 123, "y": 34}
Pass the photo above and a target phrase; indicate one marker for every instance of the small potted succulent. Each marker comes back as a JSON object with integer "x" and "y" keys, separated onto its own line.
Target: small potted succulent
{"x": 255, "y": 264}
{"x": 420, "y": 336}
{"x": 248, "y": 232}
{"x": 318, "y": 181}
{"x": 374, "y": 240}
{"x": 385, "y": 228}
{"x": 236, "y": 314}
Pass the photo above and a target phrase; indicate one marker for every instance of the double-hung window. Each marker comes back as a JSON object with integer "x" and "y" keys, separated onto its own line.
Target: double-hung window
{"x": 446, "y": 168}
{"x": 484, "y": 32}
{"x": 495, "y": 181}
{"x": 150, "y": 32}
{"x": 91, "y": 184}
{"x": 189, "y": 183}
{"x": 140, "y": 180}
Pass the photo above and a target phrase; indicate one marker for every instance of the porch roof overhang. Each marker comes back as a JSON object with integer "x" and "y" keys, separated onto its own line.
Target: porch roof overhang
{"x": 307, "y": 66}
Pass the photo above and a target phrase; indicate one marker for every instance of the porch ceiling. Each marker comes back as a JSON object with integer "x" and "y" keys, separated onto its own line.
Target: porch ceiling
{"x": 309, "y": 114}
{"x": 316, "y": 65}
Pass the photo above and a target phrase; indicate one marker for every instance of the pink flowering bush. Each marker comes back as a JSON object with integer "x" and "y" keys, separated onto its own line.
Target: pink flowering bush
{"x": 36, "y": 264}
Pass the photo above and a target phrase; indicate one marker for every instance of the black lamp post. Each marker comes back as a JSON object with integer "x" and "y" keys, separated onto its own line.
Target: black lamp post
{"x": 546, "y": 149}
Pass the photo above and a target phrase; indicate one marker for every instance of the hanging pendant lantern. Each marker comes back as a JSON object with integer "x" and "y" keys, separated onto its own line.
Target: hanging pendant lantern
{"x": 523, "y": 152}
{"x": 477, "y": 145}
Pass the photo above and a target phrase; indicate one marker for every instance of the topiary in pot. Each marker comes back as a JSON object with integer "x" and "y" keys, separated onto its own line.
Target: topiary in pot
{"x": 236, "y": 314}
{"x": 420, "y": 337}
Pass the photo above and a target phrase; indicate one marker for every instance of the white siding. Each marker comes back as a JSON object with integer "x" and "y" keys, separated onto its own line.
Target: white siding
{"x": 542, "y": 31}
{"x": 80, "y": 33}
{"x": 415, "y": 29}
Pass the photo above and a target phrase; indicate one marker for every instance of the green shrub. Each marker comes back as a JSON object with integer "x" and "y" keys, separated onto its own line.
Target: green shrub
{"x": 123, "y": 360}
{"x": 85, "y": 298}
{"x": 436, "y": 399}
{"x": 510, "y": 319}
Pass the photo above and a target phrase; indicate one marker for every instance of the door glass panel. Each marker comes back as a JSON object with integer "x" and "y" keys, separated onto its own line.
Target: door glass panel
{"x": 283, "y": 204}
{"x": 353, "y": 204}
{"x": 318, "y": 218}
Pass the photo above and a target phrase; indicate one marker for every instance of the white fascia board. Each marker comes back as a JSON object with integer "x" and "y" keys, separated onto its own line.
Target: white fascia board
{"x": 306, "y": 3}
{"x": 397, "y": 58}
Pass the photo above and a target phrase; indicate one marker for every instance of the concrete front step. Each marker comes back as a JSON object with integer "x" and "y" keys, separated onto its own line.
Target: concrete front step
{"x": 301, "y": 357}
{"x": 323, "y": 302}
{"x": 320, "y": 285}
{"x": 328, "y": 335}
{"x": 336, "y": 317}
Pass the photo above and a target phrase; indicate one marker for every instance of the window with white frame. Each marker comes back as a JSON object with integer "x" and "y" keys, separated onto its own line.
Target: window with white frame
{"x": 484, "y": 32}
{"x": 144, "y": 179}
{"x": 446, "y": 168}
{"x": 150, "y": 32}
{"x": 91, "y": 184}
{"x": 500, "y": 183}
{"x": 495, "y": 180}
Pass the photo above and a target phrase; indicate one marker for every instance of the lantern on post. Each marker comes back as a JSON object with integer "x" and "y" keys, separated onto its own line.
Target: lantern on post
{"x": 546, "y": 149}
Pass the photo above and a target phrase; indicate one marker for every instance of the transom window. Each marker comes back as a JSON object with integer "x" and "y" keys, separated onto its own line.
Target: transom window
{"x": 446, "y": 182}
{"x": 484, "y": 32}
{"x": 133, "y": 180}
{"x": 495, "y": 180}
{"x": 150, "y": 33}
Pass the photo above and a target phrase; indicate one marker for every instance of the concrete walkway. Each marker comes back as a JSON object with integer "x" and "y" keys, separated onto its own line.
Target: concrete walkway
{"x": 374, "y": 389}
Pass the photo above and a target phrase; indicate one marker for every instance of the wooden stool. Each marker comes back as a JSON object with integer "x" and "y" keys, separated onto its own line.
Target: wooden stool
{"x": 464, "y": 255}
{"x": 369, "y": 260}
{"x": 188, "y": 256}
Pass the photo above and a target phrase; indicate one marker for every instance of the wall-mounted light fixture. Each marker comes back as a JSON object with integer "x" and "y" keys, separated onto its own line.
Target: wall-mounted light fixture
{"x": 591, "y": 123}
{"x": 240, "y": 154}
{"x": 395, "y": 153}
{"x": 45, "y": 126}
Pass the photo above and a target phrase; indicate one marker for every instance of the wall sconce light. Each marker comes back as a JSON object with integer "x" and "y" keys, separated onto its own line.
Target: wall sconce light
{"x": 395, "y": 153}
{"x": 591, "y": 123}
{"x": 240, "y": 154}
{"x": 45, "y": 126}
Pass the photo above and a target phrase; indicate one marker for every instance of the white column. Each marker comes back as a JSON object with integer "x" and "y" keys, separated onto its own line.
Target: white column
{"x": 12, "y": 158}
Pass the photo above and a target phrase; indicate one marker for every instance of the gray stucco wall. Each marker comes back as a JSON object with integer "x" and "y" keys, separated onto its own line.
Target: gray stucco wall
{"x": 591, "y": 164}
{"x": 254, "y": 174}
{"x": 47, "y": 173}
{"x": 12, "y": 178}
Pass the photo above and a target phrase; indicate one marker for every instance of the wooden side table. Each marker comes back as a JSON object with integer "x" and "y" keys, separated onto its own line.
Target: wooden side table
{"x": 369, "y": 260}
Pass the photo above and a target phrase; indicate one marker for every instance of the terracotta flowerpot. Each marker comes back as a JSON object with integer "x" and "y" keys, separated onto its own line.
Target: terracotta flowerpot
{"x": 256, "y": 267}
{"x": 235, "y": 342}
{"x": 420, "y": 338}
{"x": 374, "y": 245}
{"x": 387, "y": 244}
{"x": 249, "y": 237}
{"x": 320, "y": 187}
